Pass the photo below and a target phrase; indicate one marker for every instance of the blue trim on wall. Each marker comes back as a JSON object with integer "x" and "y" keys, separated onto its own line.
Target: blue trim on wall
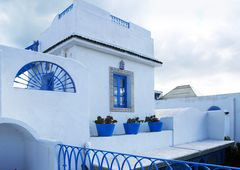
{"x": 34, "y": 46}
{"x": 25, "y": 68}
{"x": 68, "y": 9}
{"x": 212, "y": 108}
{"x": 120, "y": 21}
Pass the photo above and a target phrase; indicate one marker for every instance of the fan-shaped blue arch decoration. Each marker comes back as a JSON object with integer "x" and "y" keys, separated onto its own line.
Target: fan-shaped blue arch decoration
{"x": 44, "y": 75}
{"x": 212, "y": 108}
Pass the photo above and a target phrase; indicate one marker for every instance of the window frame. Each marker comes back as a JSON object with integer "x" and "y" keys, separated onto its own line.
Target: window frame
{"x": 129, "y": 90}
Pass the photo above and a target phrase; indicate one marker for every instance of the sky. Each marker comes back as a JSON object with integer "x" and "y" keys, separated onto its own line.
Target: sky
{"x": 198, "y": 41}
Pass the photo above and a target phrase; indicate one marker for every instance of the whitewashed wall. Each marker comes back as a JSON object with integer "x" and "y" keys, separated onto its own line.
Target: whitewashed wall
{"x": 94, "y": 23}
{"x": 134, "y": 144}
{"x": 57, "y": 116}
{"x": 87, "y": 20}
{"x": 20, "y": 150}
{"x": 53, "y": 115}
{"x": 218, "y": 125}
{"x": 227, "y": 102}
{"x": 98, "y": 64}
{"x": 188, "y": 124}
{"x": 11, "y": 142}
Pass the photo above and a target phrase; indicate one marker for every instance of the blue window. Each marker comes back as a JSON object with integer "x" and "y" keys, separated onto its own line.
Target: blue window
{"x": 120, "y": 91}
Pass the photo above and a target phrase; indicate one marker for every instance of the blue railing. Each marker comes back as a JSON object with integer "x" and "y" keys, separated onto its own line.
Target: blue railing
{"x": 77, "y": 158}
{"x": 120, "y": 21}
{"x": 65, "y": 11}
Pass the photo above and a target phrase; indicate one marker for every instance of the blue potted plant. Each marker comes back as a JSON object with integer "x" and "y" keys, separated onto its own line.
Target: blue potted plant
{"x": 155, "y": 125}
{"x": 132, "y": 125}
{"x": 105, "y": 126}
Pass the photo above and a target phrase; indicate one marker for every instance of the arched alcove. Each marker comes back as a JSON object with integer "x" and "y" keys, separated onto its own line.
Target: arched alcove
{"x": 17, "y": 147}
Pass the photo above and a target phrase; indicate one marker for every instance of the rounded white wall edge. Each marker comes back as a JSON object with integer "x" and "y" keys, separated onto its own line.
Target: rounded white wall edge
{"x": 4, "y": 120}
{"x": 49, "y": 141}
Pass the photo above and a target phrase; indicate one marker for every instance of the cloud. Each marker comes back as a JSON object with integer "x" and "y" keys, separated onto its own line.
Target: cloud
{"x": 201, "y": 50}
{"x": 25, "y": 20}
{"x": 198, "y": 41}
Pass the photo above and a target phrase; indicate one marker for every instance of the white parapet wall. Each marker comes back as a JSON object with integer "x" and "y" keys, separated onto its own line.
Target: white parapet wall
{"x": 188, "y": 124}
{"x": 133, "y": 144}
{"x": 191, "y": 125}
{"x": 41, "y": 155}
{"x": 23, "y": 150}
{"x": 218, "y": 125}
{"x": 227, "y": 102}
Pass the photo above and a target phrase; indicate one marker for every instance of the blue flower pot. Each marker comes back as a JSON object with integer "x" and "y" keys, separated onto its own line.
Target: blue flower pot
{"x": 105, "y": 129}
{"x": 131, "y": 128}
{"x": 155, "y": 126}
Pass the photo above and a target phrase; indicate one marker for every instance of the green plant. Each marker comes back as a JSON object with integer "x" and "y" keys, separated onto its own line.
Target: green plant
{"x": 152, "y": 118}
{"x": 134, "y": 120}
{"x": 107, "y": 120}
{"x": 227, "y": 138}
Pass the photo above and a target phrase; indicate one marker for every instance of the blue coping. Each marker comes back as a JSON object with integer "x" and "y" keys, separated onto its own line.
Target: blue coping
{"x": 212, "y": 108}
{"x": 68, "y": 9}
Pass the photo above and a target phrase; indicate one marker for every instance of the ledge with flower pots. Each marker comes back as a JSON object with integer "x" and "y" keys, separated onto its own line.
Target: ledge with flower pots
{"x": 141, "y": 142}
{"x": 132, "y": 140}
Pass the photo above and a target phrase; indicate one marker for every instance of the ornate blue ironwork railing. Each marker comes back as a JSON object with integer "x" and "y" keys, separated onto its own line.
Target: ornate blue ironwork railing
{"x": 68, "y": 9}
{"x": 120, "y": 21}
{"x": 44, "y": 75}
{"x": 77, "y": 158}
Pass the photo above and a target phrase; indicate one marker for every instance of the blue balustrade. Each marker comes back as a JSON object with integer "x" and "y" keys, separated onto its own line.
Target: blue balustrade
{"x": 120, "y": 21}
{"x": 78, "y": 158}
{"x": 34, "y": 46}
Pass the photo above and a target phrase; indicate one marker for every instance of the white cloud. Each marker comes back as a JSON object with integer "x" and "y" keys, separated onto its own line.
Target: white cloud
{"x": 26, "y": 20}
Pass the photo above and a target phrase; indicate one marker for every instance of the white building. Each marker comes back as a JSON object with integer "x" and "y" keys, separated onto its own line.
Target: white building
{"x": 53, "y": 96}
{"x": 229, "y": 103}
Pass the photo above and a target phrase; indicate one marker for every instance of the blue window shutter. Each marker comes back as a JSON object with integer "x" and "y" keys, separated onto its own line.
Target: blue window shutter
{"x": 120, "y": 85}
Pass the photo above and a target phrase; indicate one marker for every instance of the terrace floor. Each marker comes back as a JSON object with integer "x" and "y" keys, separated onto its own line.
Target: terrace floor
{"x": 189, "y": 150}
{"x": 184, "y": 152}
